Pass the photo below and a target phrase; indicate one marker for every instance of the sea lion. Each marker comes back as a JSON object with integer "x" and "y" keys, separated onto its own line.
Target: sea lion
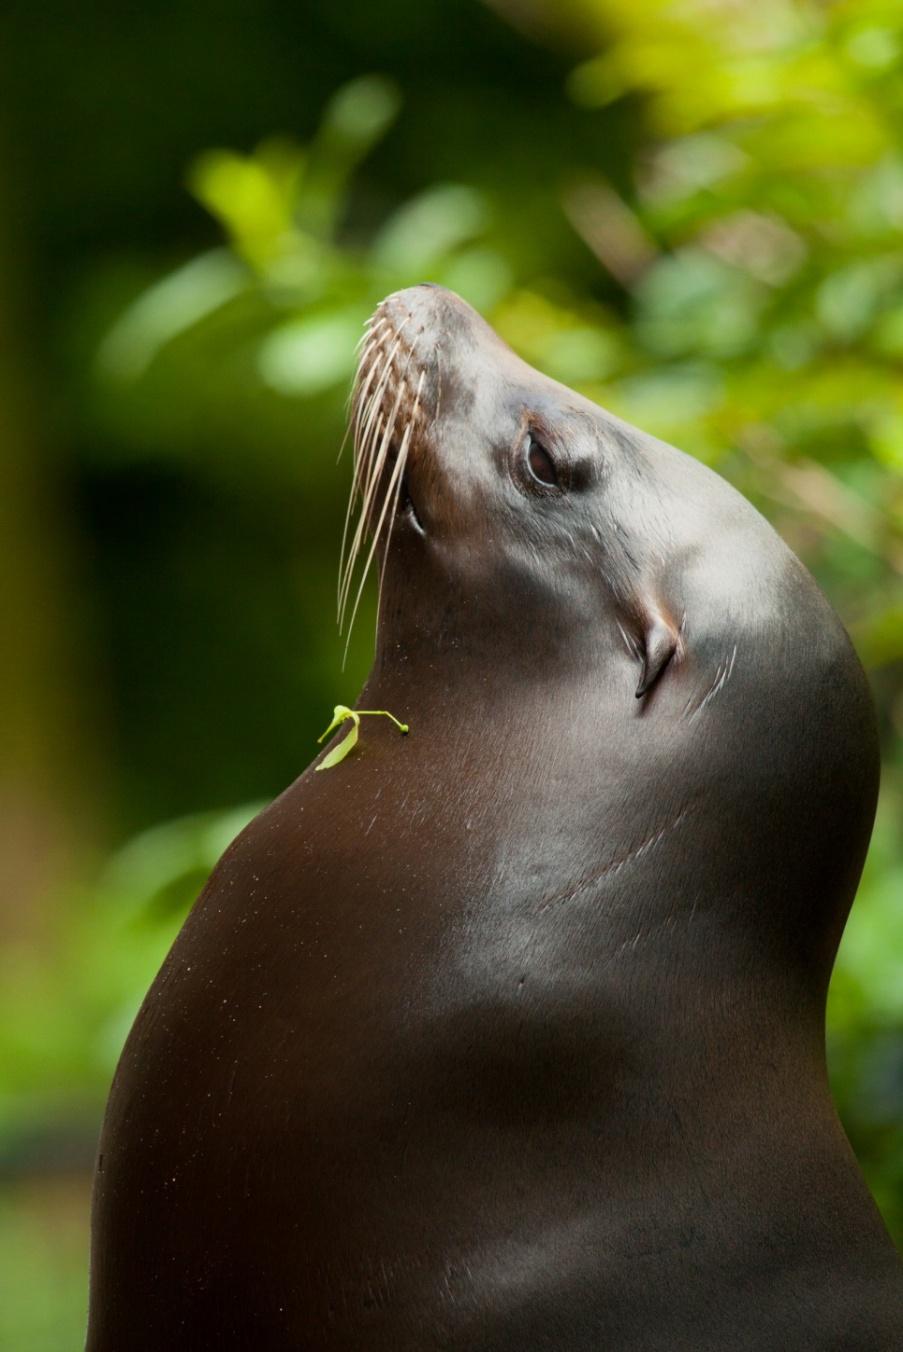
{"x": 507, "y": 1035}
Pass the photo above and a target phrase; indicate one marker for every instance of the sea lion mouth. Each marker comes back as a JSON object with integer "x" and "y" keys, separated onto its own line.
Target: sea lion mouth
{"x": 406, "y": 506}
{"x": 387, "y": 425}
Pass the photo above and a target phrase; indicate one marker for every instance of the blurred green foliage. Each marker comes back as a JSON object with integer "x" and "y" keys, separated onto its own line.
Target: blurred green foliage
{"x": 692, "y": 212}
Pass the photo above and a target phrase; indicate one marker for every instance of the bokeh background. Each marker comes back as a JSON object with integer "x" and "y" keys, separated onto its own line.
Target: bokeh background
{"x": 691, "y": 211}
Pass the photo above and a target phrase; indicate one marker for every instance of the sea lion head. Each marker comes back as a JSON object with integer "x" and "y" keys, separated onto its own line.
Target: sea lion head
{"x": 529, "y": 540}
{"x": 518, "y": 495}
{"x": 495, "y": 492}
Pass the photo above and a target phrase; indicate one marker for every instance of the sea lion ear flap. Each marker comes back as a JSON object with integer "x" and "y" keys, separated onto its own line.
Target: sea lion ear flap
{"x": 659, "y": 646}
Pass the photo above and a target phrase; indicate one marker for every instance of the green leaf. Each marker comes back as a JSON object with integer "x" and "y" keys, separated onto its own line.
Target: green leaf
{"x": 167, "y": 309}
{"x": 339, "y": 752}
{"x": 340, "y": 713}
{"x": 252, "y": 196}
{"x": 429, "y": 227}
{"x": 311, "y": 353}
{"x": 359, "y": 113}
{"x": 355, "y": 118}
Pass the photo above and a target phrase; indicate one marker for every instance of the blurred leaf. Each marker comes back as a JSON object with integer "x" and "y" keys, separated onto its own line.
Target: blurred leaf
{"x": 575, "y": 345}
{"x": 167, "y": 309}
{"x": 849, "y": 297}
{"x": 866, "y": 987}
{"x": 356, "y": 117}
{"x": 310, "y": 354}
{"x": 427, "y": 228}
{"x": 482, "y": 276}
{"x": 693, "y": 303}
{"x": 253, "y": 197}
{"x": 879, "y": 641}
{"x": 887, "y": 440}
{"x": 149, "y": 865}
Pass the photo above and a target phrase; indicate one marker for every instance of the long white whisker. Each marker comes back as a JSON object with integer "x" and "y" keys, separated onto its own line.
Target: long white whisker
{"x": 345, "y": 437}
{"x": 371, "y": 469}
{"x": 363, "y": 396}
{"x": 391, "y": 495}
{"x": 349, "y": 508}
{"x": 402, "y": 390}
{"x": 360, "y": 491}
{"x": 369, "y": 493}
{"x": 397, "y": 471}
{"x": 364, "y": 477}
{"x": 376, "y": 398}
{"x": 361, "y": 351}
{"x": 360, "y": 392}
{"x": 365, "y": 437}
{"x": 370, "y": 329}
{"x": 378, "y": 344}
{"x": 364, "y": 408}
{"x": 373, "y": 430}
{"x": 374, "y": 344}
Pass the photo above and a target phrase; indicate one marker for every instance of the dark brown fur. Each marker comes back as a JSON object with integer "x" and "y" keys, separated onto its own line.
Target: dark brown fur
{"x": 507, "y": 1036}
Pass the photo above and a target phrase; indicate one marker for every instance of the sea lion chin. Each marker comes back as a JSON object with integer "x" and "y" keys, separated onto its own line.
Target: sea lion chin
{"x": 509, "y": 1034}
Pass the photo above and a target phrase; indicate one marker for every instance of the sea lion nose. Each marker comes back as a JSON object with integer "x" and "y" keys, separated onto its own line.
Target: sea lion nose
{"x": 424, "y": 296}
{"x": 427, "y": 306}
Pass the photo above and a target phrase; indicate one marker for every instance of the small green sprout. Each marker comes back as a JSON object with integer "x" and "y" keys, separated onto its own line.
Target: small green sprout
{"x": 341, "y": 712}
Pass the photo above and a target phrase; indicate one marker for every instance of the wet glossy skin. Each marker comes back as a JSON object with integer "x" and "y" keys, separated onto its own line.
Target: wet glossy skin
{"x": 509, "y": 1034}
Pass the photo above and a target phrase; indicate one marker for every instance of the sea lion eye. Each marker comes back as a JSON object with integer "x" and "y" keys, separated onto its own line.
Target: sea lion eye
{"x": 541, "y": 464}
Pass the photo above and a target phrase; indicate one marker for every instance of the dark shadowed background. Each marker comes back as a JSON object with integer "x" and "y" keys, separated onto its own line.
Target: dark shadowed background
{"x": 691, "y": 211}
